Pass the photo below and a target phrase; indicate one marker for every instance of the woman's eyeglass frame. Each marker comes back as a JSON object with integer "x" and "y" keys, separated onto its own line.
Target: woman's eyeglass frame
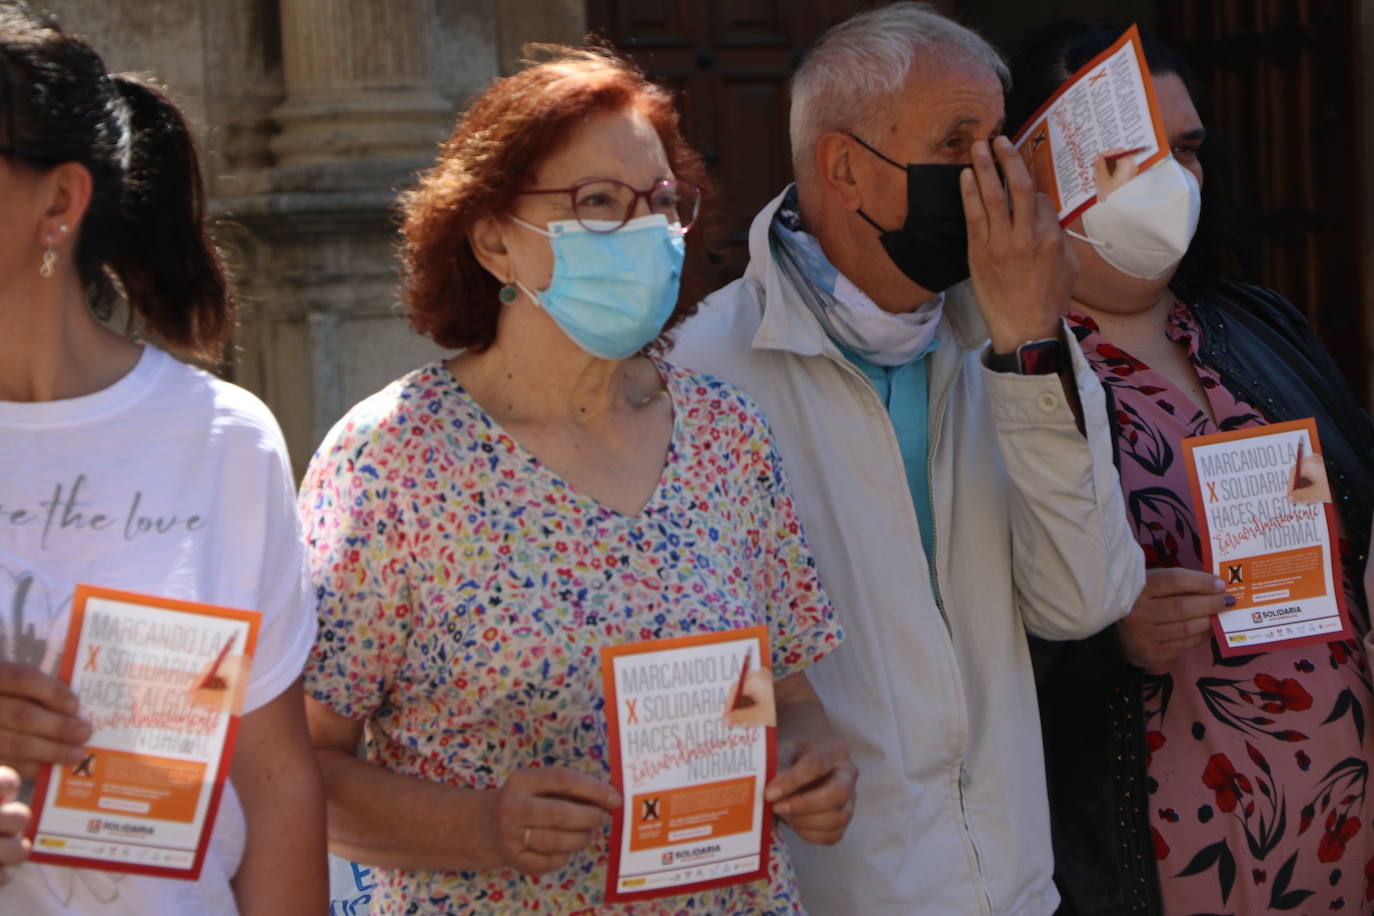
{"x": 633, "y": 203}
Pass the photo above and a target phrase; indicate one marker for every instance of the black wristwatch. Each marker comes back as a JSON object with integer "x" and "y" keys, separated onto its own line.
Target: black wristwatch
{"x": 1034, "y": 357}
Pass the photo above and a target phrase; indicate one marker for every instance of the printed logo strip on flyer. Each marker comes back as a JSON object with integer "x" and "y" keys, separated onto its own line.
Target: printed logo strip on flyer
{"x": 691, "y": 722}
{"x": 162, "y": 683}
{"x": 1268, "y": 529}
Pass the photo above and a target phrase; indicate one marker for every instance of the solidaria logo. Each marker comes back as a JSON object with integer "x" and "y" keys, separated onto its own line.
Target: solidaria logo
{"x": 1271, "y": 613}
{"x": 96, "y": 825}
{"x": 695, "y": 852}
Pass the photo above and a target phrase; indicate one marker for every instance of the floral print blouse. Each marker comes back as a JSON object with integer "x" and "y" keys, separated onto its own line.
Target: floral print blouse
{"x": 1257, "y": 766}
{"x": 464, "y": 593}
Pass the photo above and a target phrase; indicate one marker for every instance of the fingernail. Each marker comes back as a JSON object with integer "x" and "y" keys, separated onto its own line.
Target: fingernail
{"x": 615, "y": 799}
{"x": 1219, "y": 585}
{"x": 75, "y": 755}
{"x": 1229, "y": 600}
{"x": 780, "y": 808}
{"x": 70, "y": 705}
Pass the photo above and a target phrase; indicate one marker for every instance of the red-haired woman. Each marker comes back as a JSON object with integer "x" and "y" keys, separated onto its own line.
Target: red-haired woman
{"x": 483, "y": 526}
{"x": 125, "y": 468}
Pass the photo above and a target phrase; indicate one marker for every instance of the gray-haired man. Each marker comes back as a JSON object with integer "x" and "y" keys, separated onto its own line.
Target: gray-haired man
{"x": 950, "y": 496}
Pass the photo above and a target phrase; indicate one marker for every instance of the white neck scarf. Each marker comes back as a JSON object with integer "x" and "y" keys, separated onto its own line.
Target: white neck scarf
{"x": 847, "y": 314}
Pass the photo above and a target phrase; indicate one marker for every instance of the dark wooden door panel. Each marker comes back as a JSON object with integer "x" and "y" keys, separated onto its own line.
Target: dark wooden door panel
{"x": 750, "y": 23}
{"x": 731, "y": 59}
{"x": 1284, "y": 94}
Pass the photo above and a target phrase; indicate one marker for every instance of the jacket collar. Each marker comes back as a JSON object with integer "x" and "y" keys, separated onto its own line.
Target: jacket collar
{"x": 787, "y": 324}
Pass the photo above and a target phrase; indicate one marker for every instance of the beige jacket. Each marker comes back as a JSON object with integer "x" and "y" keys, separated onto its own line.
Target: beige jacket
{"x": 933, "y": 687}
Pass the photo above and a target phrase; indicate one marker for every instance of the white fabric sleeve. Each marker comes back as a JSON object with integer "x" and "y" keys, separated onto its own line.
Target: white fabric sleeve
{"x": 1076, "y": 564}
{"x": 285, "y": 598}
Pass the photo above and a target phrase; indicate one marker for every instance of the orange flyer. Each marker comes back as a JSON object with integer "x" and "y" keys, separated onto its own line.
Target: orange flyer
{"x": 162, "y": 684}
{"x": 1268, "y": 531}
{"x": 1109, "y": 104}
{"x": 692, "y": 729}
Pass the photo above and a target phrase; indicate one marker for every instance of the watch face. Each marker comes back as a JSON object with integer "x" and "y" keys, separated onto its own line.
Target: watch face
{"x": 1042, "y": 357}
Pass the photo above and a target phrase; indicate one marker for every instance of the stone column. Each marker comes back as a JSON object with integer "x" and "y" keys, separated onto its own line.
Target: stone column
{"x": 359, "y": 84}
{"x": 315, "y": 245}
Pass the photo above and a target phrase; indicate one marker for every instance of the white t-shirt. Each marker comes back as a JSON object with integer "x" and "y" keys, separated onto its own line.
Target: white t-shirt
{"x": 163, "y": 444}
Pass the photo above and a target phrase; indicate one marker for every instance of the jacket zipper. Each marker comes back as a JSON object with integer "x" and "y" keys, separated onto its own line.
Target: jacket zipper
{"x": 977, "y": 857}
{"x": 935, "y": 516}
{"x": 941, "y": 404}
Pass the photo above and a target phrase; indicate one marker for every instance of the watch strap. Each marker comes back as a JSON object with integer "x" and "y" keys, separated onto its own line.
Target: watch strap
{"x": 1034, "y": 357}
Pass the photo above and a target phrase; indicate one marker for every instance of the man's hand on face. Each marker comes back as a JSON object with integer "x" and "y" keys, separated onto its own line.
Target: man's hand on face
{"x": 1022, "y": 267}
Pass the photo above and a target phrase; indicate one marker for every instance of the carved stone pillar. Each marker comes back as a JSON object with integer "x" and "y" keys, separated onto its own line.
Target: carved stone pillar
{"x": 362, "y": 113}
{"x": 359, "y": 84}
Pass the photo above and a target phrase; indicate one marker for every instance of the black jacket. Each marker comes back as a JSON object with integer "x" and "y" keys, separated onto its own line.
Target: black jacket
{"x": 1091, "y": 707}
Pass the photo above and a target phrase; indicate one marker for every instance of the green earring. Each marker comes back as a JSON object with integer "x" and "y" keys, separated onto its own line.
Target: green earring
{"x": 507, "y": 294}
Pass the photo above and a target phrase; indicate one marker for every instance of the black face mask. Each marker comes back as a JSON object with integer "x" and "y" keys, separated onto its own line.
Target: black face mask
{"x": 932, "y": 246}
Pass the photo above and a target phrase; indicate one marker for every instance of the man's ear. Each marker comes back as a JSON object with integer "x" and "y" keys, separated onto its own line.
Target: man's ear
{"x": 834, "y": 167}
{"x": 69, "y": 188}
{"x": 488, "y": 241}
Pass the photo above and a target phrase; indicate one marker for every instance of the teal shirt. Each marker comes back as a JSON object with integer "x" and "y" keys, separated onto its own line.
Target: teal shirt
{"x": 905, "y": 392}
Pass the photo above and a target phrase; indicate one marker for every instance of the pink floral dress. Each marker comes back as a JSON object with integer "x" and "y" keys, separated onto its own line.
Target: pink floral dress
{"x": 465, "y": 592}
{"x": 1257, "y": 766}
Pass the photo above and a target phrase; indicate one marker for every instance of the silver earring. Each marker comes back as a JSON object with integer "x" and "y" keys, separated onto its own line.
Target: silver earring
{"x": 49, "y": 262}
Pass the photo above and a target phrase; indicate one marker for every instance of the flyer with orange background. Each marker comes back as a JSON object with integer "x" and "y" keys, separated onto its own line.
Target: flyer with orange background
{"x": 691, "y": 723}
{"x": 162, "y": 684}
{"x": 1268, "y": 530}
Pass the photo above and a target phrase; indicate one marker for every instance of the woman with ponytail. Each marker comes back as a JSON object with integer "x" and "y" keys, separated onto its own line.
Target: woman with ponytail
{"x": 125, "y": 468}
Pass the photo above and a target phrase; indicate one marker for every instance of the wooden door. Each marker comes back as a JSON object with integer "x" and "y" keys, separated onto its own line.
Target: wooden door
{"x": 731, "y": 59}
{"x": 1283, "y": 79}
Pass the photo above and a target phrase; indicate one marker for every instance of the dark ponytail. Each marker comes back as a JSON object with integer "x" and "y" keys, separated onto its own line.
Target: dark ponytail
{"x": 162, "y": 256}
{"x": 143, "y": 233}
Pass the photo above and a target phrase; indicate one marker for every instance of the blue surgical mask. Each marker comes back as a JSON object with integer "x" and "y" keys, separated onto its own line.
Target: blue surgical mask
{"x": 612, "y": 292}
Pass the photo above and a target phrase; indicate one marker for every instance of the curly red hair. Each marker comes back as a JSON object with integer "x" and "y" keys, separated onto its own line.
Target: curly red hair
{"x": 499, "y": 142}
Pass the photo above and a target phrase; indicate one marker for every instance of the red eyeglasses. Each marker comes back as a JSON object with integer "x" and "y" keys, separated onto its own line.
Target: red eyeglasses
{"x": 604, "y": 204}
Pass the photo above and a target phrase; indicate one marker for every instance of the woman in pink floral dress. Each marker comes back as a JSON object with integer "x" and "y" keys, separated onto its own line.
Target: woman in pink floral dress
{"x": 482, "y": 527}
{"x": 1182, "y": 782}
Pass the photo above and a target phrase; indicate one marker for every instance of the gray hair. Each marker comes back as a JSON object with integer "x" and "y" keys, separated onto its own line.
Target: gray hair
{"x": 856, "y": 67}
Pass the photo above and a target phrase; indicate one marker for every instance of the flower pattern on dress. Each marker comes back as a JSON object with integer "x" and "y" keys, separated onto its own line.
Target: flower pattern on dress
{"x": 465, "y": 591}
{"x": 1257, "y": 766}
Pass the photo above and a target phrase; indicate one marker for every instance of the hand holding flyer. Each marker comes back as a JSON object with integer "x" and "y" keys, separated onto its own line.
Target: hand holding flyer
{"x": 162, "y": 684}
{"x": 1268, "y": 531}
{"x": 692, "y": 749}
{"x": 1108, "y": 105}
